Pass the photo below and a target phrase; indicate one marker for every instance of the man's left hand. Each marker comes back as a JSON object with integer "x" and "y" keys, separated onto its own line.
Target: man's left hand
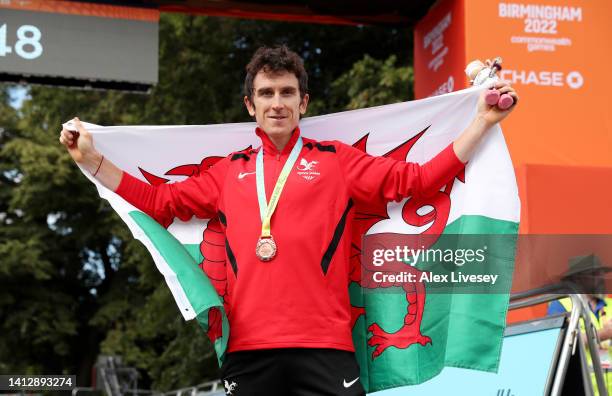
{"x": 492, "y": 114}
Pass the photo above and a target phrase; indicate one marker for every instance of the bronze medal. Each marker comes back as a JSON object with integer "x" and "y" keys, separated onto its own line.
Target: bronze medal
{"x": 265, "y": 249}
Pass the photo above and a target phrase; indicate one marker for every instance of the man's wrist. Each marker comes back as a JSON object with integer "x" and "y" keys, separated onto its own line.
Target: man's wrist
{"x": 91, "y": 162}
{"x": 481, "y": 124}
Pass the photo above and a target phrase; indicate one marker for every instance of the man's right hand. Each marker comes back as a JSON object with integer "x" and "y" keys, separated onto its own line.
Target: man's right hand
{"x": 81, "y": 148}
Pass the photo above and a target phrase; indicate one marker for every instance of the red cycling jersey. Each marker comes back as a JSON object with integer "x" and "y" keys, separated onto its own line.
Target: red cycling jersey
{"x": 300, "y": 298}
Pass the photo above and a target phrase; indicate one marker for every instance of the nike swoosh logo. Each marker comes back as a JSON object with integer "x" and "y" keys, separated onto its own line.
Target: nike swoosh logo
{"x": 241, "y": 175}
{"x": 349, "y": 384}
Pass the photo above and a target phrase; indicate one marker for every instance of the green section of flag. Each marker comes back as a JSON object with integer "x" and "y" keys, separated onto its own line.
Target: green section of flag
{"x": 220, "y": 343}
{"x": 466, "y": 329}
{"x": 194, "y": 251}
{"x": 181, "y": 259}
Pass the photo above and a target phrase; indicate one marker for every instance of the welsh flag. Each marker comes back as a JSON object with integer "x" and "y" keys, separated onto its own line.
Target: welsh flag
{"x": 403, "y": 333}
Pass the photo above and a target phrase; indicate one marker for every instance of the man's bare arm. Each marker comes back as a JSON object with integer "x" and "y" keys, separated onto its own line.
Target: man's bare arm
{"x": 81, "y": 149}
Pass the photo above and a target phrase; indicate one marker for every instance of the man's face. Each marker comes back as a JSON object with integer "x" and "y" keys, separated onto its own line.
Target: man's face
{"x": 276, "y": 103}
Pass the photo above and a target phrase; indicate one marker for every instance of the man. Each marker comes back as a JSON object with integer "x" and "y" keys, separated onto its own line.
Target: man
{"x": 287, "y": 237}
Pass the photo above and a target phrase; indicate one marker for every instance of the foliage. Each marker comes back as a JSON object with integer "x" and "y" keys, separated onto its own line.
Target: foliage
{"x": 372, "y": 82}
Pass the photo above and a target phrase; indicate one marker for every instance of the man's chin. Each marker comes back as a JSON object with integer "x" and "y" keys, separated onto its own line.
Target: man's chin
{"x": 279, "y": 131}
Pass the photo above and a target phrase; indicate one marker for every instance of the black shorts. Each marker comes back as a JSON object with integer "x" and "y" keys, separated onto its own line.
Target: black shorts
{"x": 291, "y": 372}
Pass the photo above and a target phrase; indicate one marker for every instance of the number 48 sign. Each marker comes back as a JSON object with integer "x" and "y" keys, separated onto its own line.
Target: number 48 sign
{"x": 28, "y": 44}
{"x": 72, "y": 44}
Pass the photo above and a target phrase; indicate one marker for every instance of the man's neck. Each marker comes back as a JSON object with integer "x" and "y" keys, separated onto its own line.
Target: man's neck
{"x": 280, "y": 141}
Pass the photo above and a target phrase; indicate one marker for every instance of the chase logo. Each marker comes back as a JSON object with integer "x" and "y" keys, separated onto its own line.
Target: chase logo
{"x": 572, "y": 79}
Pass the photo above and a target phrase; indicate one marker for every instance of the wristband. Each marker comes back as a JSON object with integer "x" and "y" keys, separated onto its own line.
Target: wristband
{"x": 94, "y": 175}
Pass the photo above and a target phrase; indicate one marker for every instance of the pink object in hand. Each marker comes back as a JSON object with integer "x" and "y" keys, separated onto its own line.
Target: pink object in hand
{"x": 505, "y": 102}
{"x": 492, "y": 97}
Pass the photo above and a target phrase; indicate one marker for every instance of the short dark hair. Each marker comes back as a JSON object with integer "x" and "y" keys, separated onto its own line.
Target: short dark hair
{"x": 275, "y": 60}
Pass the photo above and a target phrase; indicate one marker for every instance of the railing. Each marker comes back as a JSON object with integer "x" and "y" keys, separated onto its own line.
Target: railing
{"x": 203, "y": 389}
{"x": 580, "y": 309}
{"x": 115, "y": 379}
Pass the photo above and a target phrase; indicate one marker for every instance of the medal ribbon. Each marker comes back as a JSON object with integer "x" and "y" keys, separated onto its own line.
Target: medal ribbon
{"x": 267, "y": 209}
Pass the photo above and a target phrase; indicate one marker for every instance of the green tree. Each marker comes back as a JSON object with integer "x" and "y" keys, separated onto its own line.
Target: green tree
{"x": 372, "y": 82}
{"x": 73, "y": 282}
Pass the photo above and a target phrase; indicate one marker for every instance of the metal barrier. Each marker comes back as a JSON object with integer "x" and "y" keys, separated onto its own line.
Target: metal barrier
{"x": 203, "y": 389}
{"x": 115, "y": 379}
{"x": 580, "y": 310}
